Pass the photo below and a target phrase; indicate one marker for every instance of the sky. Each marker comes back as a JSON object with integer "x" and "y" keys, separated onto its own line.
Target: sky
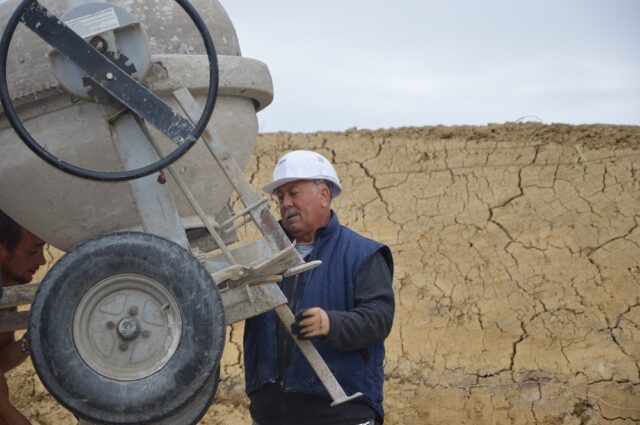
{"x": 338, "y": 64}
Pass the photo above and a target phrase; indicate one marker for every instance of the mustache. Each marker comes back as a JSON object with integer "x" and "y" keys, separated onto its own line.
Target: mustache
{"x": 290, "y": 213}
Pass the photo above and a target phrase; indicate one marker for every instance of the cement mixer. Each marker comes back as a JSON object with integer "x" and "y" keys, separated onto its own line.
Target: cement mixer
{"x": 125, "y": 131}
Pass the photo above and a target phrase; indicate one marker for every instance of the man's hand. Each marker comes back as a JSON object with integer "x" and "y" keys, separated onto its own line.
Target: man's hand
{"x": 311, "y": 323}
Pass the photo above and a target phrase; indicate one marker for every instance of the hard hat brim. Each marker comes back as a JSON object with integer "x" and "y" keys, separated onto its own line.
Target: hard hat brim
{"x": 271, "y": 187}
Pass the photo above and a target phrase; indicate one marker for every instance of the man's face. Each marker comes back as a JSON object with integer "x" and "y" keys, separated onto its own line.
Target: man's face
{"x": 304, "y": 208}
{"x": 20, "y": 265}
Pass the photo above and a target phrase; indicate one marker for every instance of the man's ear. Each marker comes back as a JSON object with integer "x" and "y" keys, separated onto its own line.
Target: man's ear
{"x": 326, "y": 196}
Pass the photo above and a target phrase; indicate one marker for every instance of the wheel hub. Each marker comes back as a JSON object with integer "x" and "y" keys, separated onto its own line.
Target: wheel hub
{"x": 127, "y": 327}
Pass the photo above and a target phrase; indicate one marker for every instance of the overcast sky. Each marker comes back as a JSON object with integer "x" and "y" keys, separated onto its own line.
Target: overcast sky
{"x": 374, "y": 64}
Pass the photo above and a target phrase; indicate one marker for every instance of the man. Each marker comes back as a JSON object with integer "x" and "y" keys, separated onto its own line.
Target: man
{"x": 345, "y": 307}
{"x": 21, "y": 254}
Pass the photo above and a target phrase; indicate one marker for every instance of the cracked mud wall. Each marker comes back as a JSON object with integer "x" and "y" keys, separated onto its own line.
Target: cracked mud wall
{"x": 517, "y": 254}
{"x": 517, "y": 283}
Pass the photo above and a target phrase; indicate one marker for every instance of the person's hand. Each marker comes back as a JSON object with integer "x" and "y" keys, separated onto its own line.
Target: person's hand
{"x": 25, "y": 348}
{"x": 311, "y": 323}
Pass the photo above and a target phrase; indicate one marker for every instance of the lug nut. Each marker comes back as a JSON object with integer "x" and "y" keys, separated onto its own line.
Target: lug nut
{"x": 145, "y": 333}
{"x": 111, "y": 325}
{"x": 133, "y": 311}
{"x": 124, "y": 346}
{"x": 128, "y": 328}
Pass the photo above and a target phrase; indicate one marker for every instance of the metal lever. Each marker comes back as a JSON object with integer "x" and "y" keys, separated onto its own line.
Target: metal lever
{"x": 317, "y": 363}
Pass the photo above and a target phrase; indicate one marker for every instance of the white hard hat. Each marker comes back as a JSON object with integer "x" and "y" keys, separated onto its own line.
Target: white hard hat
{"x": 304, "y": 165}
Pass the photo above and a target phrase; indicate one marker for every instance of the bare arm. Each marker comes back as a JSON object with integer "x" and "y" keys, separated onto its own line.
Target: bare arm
{"x": 10, "y": 353}
{"x": 9, "y": 415}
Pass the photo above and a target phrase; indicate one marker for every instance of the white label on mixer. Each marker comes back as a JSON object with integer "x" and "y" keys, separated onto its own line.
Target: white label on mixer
{"x": 94, "y": 23}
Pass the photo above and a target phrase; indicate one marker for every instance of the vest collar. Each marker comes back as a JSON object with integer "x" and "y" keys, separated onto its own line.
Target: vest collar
{"x": 330, "y": 228}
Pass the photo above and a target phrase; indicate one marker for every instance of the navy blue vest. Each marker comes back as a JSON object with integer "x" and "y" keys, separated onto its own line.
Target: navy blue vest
{"x": 343, "y": 253}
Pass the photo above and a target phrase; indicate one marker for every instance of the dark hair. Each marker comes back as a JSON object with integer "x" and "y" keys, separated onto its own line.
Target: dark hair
{"x": 10, "y": 232}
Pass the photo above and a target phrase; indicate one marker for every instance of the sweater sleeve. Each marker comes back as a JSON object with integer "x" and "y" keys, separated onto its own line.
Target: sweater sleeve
{"x": 371, "y": 319}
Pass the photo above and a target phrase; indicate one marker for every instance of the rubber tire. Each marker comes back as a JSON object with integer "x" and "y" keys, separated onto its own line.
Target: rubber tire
{"x": 100, "y": 399}
{"x": 192, "y": 412}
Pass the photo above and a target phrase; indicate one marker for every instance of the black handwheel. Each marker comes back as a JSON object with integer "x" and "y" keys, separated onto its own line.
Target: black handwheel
{"x": 118, "y": 84}
{"x": 128, "y": 328}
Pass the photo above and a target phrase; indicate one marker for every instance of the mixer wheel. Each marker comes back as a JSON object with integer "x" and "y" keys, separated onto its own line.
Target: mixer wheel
{"x": 128, "y": 328}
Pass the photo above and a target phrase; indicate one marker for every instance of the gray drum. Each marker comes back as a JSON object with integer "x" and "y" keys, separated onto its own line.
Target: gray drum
{"x": 65, "y": 210}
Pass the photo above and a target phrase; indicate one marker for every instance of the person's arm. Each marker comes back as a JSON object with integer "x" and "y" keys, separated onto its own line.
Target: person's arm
{"x": 368, "y": 322}
{"x": 9, "y": 415}
{"x": 11, "y": 355}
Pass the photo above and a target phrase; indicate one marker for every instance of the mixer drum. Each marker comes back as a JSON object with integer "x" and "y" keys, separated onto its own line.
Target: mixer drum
{"x": 65, "y": 210}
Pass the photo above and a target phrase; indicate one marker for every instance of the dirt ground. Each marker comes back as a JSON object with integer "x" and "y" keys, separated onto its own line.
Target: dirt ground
{"x": 517, "y": 250}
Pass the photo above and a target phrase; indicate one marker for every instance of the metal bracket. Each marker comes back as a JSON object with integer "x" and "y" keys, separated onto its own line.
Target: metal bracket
{"x": 259, "y": 211}
{"x": 153, "y": 201}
